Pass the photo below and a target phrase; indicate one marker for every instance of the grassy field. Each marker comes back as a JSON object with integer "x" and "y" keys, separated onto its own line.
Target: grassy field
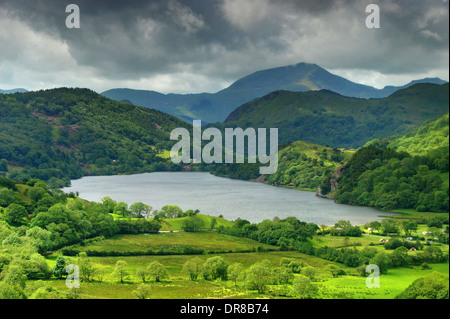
{"x": 403, "y": 214}
{"x": 177, "y": 286}
{"x": 233, "y": 250}
{"x": 207, "y": 240}
{"x": 391, "y": 284}
{"x": 177, "y": 223}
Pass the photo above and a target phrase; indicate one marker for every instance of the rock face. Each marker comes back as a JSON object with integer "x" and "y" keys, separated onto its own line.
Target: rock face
{"x": 333, "y": 183}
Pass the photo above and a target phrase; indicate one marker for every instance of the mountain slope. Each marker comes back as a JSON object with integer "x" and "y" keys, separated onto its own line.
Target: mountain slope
{"x": 62, "y": 134}
{"x": 301, "y": 166}
{"x": 428, "y": 137}
{"x": 216, "y": 107}
{"x": 327, "y": 118}
{"x": 411, "y": 172}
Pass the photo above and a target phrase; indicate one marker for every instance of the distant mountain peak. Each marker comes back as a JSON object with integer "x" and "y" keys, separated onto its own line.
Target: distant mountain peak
{"x": 12, "y": 91}
{"x": 215, "y": 107}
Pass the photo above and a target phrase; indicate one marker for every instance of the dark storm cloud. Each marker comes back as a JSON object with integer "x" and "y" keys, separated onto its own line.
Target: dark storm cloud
{"x": 223, "y": 40}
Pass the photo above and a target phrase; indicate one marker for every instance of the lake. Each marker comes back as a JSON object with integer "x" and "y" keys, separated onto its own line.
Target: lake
{"x": 216, "y": 196}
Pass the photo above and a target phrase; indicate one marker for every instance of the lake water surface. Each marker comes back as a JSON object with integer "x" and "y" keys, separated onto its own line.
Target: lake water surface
{"x": 220, "y": 196}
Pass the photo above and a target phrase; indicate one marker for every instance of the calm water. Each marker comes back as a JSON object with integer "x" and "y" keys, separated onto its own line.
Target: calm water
{"x": 216, "y": 195}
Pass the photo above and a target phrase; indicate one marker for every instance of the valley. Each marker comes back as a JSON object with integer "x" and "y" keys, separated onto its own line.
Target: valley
{"x": 147, "y": 228}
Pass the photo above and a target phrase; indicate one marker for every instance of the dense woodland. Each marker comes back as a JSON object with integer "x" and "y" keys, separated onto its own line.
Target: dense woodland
{"x": 388, "y": 179}
{"x": 327, "y": 118}
{"x": 62, "y": 134}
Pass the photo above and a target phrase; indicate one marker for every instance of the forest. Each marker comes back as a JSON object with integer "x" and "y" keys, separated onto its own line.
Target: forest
{"x": 63, "y": 134}
{"x": 387, "y": 179}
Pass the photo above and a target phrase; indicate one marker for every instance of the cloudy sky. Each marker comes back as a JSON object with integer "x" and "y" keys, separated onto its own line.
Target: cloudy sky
{"x": 191, "y": 46}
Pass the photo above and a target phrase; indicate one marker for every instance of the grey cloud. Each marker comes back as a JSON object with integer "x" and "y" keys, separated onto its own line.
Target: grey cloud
{"x": 131, "y": 40}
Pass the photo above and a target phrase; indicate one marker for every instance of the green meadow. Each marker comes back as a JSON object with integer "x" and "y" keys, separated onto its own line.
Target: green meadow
{"x": 244, "y": 251}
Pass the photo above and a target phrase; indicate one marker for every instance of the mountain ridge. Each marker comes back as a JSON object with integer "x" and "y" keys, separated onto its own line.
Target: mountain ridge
{"x": 215, "y": 107}
{"x": 66, "y": 133}
{"x": 327, "y": 118}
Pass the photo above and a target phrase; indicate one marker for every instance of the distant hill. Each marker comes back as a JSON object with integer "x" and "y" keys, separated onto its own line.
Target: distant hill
{"x": 13, "y": 91}
{"x": 327, "y": 118}
{"x": 301, "y": 166}
{"x": 215, "y": 107}
{"x": 61, "y": 134}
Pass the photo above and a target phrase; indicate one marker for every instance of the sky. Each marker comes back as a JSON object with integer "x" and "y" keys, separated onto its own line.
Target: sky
{"x": 193, "y": 46}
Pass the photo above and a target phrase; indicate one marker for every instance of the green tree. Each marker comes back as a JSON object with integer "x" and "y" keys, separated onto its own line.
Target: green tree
{"x": 375, "y": 225}
{"x": 15, "y": 215}
{"x": 409, "y": 226}
{"x": 382, "y": 261}
{"x": 7, "y": 196}
{"x": 215, "y": 267}
{"x": 389, "y": 226}
{"x": 41, "y": 237}
{"x": 258, "y": 276}
{"x": 399, "y": 257}
{"x": 309, "y": 272}
{"x": 121, "y": 209}
{"x": 143, "y": 291}
{"x": 86, "y": 266}
{"x": 142, "y": 274}
{"x": 235, "y": 271}
{"x": 213, "y": 223}
{"x": 3, "y": 166}
{"x": 36, "y": 193}
{"x": 109, "y": 204}
{"x": 192, "y": 224}
{"x": 141, "y": 210}
{"x": 8, "y": 291}
{"x": 336, "y": 271}
{"x": 59, "y": 270}
{"x": 432, "y": 286}
{"x": 120, "y": 270}
{"x": 157, "y": 271}
{"x": 46, "y": 292}
{"x": 171, "y": 211}
{"x": 283, "y": 275}
{"x": 193, "y": 268}
{"x": 15, "y": 276}
{"x": 303, "y": 288}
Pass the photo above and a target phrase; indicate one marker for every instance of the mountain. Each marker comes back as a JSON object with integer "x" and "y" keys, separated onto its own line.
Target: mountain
{"x": 327, "y": 118}
{"x": 13, "y": 91}
{"x": 60, "y": 134}
{"x": 409, "y": 171}
{"x": 215, "y": 107}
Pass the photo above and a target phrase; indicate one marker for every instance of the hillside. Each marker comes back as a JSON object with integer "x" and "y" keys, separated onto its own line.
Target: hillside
{"x": 411, "y": 171}
{"x": 61, "y": 134}
{"x": 327, "y": 118}
{"x": 301, "y": 166}
{"x": 215, "y": 107}
{"x": 430, "y": 136}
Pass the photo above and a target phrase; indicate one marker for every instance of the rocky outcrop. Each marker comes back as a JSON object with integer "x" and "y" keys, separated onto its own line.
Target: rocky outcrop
{"x": 332, "y": 183}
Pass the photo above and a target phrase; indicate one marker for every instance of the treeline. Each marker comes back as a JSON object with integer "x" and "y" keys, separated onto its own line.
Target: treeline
{"x": 292, "y": 234}
{"x": 387, "y": 179}
{"x": 62, "y": 134}
{"x": 283, "y": 233}
{"x": 301, "y": 165}
{"x": 64, "y": 218}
